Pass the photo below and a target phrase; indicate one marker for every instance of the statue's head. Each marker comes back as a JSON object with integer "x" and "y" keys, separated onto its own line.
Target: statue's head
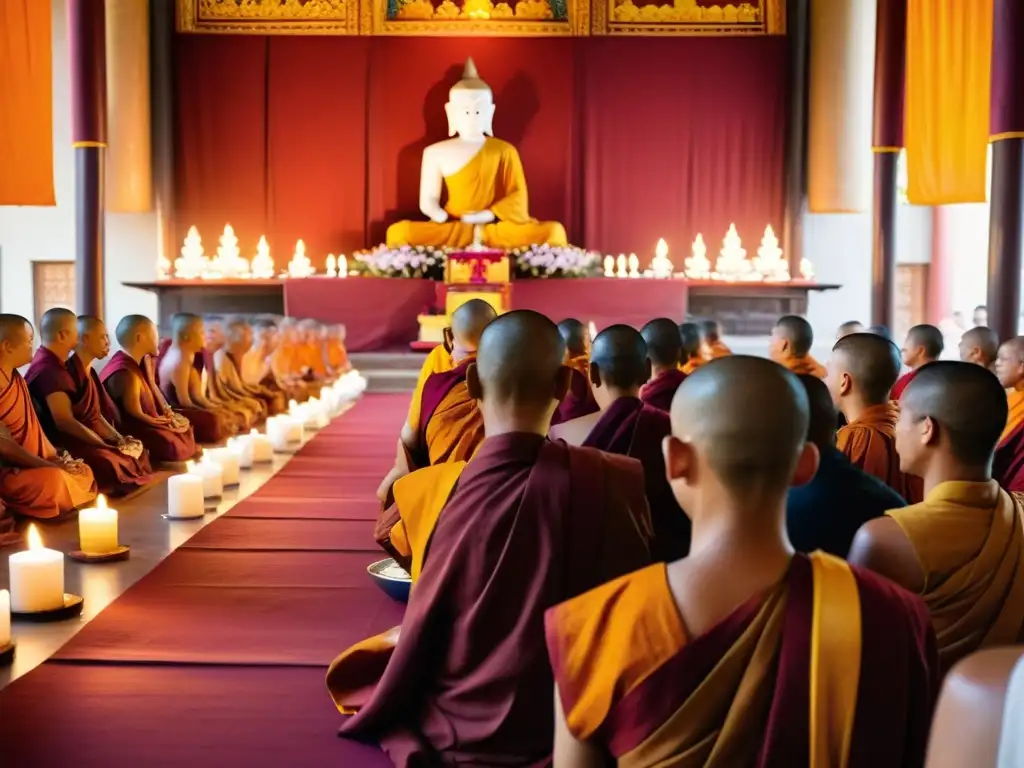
{"x": 470, "y": 106}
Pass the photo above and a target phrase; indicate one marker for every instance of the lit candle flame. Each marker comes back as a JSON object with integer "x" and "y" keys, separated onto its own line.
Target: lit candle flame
{"x": 661, "y": 250}
{"x": 35, "y": 541}
{"x": 101, "y": 502}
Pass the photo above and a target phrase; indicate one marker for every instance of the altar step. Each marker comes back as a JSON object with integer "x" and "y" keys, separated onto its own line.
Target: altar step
{"x": 389, "y": 371}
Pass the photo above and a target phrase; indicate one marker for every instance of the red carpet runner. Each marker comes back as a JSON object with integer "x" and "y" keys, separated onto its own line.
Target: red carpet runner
{"x": 217, "y": 657}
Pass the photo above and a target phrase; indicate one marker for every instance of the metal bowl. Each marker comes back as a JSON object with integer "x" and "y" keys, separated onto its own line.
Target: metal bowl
{"x": 395, "y": 588}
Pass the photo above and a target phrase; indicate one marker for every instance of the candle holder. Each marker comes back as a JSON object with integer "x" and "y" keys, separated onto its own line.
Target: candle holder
{"x": 71, "y": 609}
{"x": 7, "y": 654}
{"x": 115, "y": 555}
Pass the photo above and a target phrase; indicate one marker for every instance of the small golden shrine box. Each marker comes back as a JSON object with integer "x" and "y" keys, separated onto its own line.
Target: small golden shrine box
{"x": 482, "y": 267}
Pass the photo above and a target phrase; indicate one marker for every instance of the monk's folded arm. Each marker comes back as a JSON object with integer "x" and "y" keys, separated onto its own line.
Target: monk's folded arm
{"x": 107, "y": 431}
{"x": 194, "y": 396}
{"x": 63, "y": 416}
{"x": 131, "y": 400}
{"x": 17, "y": 456}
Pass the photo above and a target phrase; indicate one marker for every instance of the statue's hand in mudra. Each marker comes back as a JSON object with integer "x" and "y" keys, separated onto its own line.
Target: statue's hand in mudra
{"x": 440, "y": 216}
{"x": 478, "y": 217}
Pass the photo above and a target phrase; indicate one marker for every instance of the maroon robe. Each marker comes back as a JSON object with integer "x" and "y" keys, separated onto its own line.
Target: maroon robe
{"x": 162, "y": 444}
{"x": 659, "y": 391}
{"x": 630, "y": 428}
{"x": 208, "y": 426}
{"x": 901, "y": 384}
{"x": 1008, "y": 465}
{"x": 530, "y": 523}
{"x": 116, "y": 474}
{"x": 578, "y": 401}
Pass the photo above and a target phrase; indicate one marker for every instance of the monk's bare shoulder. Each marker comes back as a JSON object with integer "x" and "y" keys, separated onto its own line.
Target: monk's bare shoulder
{"x": 881, "y": 546}
{"x": 575, "y": 431}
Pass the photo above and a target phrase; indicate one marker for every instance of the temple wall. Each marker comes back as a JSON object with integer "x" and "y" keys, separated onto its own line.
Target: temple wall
{"x": 48, "y": 234}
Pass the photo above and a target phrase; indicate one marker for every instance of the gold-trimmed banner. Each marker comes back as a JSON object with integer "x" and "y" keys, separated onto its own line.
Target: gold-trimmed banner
{"x": 1005, "y": 135}
{"x": 887, "y": 150}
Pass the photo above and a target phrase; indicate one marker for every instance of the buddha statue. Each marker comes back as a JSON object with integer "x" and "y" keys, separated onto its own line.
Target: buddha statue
{"x": 487, "y": 200}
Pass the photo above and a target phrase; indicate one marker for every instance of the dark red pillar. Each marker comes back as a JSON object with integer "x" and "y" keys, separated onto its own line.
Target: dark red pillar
{"x": 797, "y": 21}
{"x": 887, "y": 142}
{"x": 1007, "y": 196}
{"x": 88, "y": 59}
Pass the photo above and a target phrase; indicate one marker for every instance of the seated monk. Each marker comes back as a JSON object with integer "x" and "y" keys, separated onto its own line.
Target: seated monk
{"x": 664, "y": 350}
{"x": 71, "y": 402}
{"x": 249, "y": 410}
{"x": 525, "y": 524}
{"x": 626, "y": 426}
{"x": 979, "y": 714}
{"x": 256, "y": 369}
{"x": 227, "y": 361}
{"x": 445, "y": 423}
{"x": 827, "y": 512}
{"x": 182, "y": 386}
{"x": 849, "y": 328}
{"x": 484, "y": 180}
{"x": 863, "y": 368}
{"x": 579, "y": 400}
{"x": 285, "y": 361}
{"x": 711, "y": 345}
{"x": 742, "y": 653}
{"x": 335, "y": 353}
{"x": 35, "y": 479}
{"x": 691, "y": 358}
{"x": 962, "y": 548}
{"x": 923, "y": 345}
{"x": 792, "y": 339}
{"x": 129, "y": 380}
{"x": 1008, "y": 467}
{"x": 980, "y": 346}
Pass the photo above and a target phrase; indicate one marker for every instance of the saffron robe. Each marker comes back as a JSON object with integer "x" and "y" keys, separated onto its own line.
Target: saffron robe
{"x": 692, "y": 365}
{"x": 630, "y": 428}
{"x": 805, "y": 366}
{"x": 870, "y": 444}
{"x": 714, "y": 350}
{"x": 451, "y": 427}
{"x": 835, "y": 666}
{"x": 529, "y": 524}
{"x": 579, "y": 400}
{"x": 438, "y": 360}
{"x": 242, "y": 414}
{"x": 336, "y": 356}
{"x": 163, "y": 444}
{"x": 116, "y": 474}
{"x": 42, "y": 492}
{"x": 207, "y": 426}
{"x": 659, "y": 391}
{"x": 493, "y": 180}
{"x": 901, "y": 384}
{"x": 969, "y": 539}
{"x": 1008, "y": 466}
{"x": 230, "y": 370}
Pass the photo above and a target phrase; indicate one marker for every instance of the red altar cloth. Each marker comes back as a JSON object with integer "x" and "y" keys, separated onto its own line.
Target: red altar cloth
{"x": 380, "y": 313}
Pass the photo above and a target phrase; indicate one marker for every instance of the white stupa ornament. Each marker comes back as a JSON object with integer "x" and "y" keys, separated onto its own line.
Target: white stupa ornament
{"x": 609, "y": 266}
{"x": 263, "y": 263}
{"x": 697, "y": 266}
{"x": 770, "y": 263}
{"x": 634, "y": 265}
{"x": 300, "y": 265}
{"x": 806, "y": 269}
{"x": 331, "y": 266}
{"x": 620, "y": 266}
{"x": 343, "y": 265}
{"x": 193, "y": 262}
{"x": 229, "y": 261}
{"x": 732, "y": 264}
{"x": 661, "y": 264}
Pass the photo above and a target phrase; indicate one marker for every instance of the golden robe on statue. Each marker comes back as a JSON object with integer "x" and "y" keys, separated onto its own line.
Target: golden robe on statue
{"x": 493, "y": 180}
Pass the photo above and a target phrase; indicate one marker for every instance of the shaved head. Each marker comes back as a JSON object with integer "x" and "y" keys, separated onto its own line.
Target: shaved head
{"x": 12, "y": 327}
{"x": 89, "y": 323}
{"x": 797, "y": 332}
{"x": 130, "y": 327}
{"x": 469, "y": 321}
{"x": 823, "y": 417}
{"x": 689, "y": 335}
{"x": 980, "y": 346}
{"x": 16, "y": 336}
{"x": 183, "y": 323}
{"x": 928, "y": 338}
{"x": 966, "y": 404}
{"x": 849, "y": 327}
{"x": 575, "y": 335}
{"x": 710, "y": 330}
{"x": 871, "y": 361}
{"x": 1010, "y": 363}
{"x": 747, "y": 417}
{"x": 519, "y": 362}
{"x": 54, "y": 322}
{"x": 93, "y": 339}
{"x": 664, "y": 346}
{"x": 880, "y": 330}
{"x": 619, "y": 358}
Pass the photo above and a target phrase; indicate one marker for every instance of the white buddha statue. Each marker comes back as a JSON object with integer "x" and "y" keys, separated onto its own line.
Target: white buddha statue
{"x": 484, "y": 179}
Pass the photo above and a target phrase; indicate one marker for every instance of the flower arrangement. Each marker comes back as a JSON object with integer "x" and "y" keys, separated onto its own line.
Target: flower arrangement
{"x": 544, "y": 261}
{"x": 407, "y": 261}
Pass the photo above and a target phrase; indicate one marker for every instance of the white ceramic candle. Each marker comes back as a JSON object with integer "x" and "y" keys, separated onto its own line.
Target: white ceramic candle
{"x": 37, "y": 577}
{"x": 97, "y": 528}
{"x": 262, "y": 447}
{"x": 228, "y": 461}
{"x": 185, "y": 495}
{"x": 5, "y": 618}
{"x": 212, "y": 476}
{"x": 242, "y": 446}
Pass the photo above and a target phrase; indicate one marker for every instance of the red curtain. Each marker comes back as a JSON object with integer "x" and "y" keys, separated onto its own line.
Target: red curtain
{"x": 624, "y": 140}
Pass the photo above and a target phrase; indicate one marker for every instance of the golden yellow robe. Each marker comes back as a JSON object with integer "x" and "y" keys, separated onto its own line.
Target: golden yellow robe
{"x": 714, "y": 350}
{"x": 691, "y": 365}
{"x": 969, "y": 540}
{"x": 438, "y": 361}
{"x": 805, "y": 366}
{"x": 1015, "y": 400}
{"x": 493, "y": 180}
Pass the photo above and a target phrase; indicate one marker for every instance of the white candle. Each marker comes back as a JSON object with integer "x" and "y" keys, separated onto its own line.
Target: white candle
{"x": 283, "y": 430}
{"x": 262, "y": 448}
{"x": 243, "y": 447}
{"x": 228, "y": 461}
{"x": 212, "y": 476}
{"x": 37, "y": 577}
{"x": 97, "y": 528}
{"x": 185, "y": 495}
{"x": 5, "y": 618}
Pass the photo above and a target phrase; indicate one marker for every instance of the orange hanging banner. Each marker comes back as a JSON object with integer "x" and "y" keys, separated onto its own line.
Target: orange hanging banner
{"x": 26, "y": 103}
{"x": 946, "y": 122}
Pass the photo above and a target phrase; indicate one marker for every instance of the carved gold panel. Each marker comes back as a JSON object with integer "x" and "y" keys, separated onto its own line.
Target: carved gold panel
{"x": 270, "y": 17}
{"x": 53, "y": 285}
{"x": 688, "y": 17}
{"x": 506, "y": 18}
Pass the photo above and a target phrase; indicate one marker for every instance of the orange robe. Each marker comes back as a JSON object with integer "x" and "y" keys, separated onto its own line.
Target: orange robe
{"x": 692, "y": 365}
{"x": 1015, "y": 401}
{"x": 451, "y": 426}
{"x": 715, "y": 350}
{"x": 337, "y": 356}
{"x": 438, "y": 361}
{"x": 870, "y": 445}
{"x": 42, "y": 492}
{"x": 806, "y": 366}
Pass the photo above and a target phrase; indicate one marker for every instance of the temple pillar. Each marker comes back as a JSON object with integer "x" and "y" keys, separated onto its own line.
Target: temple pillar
{"x": 161, "y": 62}
{"x": 1007, "y": 194}
{"x": 796, "y": 136}
{"x": 87, "y": 58}
{"x": 887, "y": 143}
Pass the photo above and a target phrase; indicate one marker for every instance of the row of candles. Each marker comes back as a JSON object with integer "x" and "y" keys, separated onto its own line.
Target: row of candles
{"x": 37, "y": 574}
